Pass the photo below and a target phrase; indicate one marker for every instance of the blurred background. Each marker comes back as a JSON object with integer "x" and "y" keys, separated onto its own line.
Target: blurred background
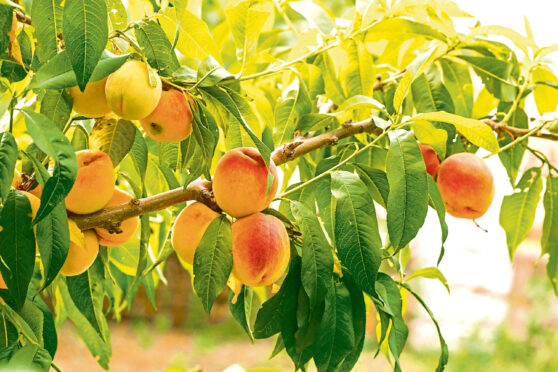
{"x": 500, "y": 316}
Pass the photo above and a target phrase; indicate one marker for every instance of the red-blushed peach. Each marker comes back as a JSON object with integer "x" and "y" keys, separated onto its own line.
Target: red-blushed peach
{"x": 260, "y": 249}
{"x": 92, "y": 102}
{"x": 129, "y": 92}
{"x": 240, "y": 182}
{"x": 430, "y": 159}
{"x": 466, "y": 185}
{"x": 128, "y": 226}
{"x": 84, "y": 247}
{"x": 94, "y": 184}
{"x": 171, "y": 121}
{"x": 189, "y": 227}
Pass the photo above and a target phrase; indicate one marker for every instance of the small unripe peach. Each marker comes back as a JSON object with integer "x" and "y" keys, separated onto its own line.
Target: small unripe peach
{"x": 84, "y": 248}
{"x": 94, "y": 185}
{"x": 430, "y": 159}
{"x": 260, "y": 249}
{"x": 128, "y": 226}
{"x": 92, "y": 102}
{"x": 189, "y": 227}
{"x": 171, "y": 121}
{"x": 129, "y": 92}
{"x": 240, "y": 182}
{"x": 466, "y": 185}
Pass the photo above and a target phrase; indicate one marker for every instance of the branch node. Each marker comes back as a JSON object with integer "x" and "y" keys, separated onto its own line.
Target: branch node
{"x": 333, "y": 140}
{"x": 348, "y": 123}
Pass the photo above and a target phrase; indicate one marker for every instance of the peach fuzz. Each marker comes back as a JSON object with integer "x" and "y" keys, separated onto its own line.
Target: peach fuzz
{"x": 189, "y": 227}
{"x": 171, "y": 121}
{"x": 240, "y": 182}
{"x": 128, "y": 226}
{"x": 129, "y": 92}
{"x": 92, "y": 102}
{"x": 260, "y": 249}
{"x": 430, "y": 157}
{"x": 94, "y": 185}
{"x": 466, "y": 185}
{"x": 81, "y": 254}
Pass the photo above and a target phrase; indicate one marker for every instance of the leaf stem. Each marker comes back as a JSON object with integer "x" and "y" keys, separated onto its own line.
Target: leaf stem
{"x": 517, "y": 140}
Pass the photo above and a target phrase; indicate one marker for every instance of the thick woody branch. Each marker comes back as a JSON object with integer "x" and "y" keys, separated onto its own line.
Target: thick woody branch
{"x": 111, "y": 218}
{"x": 22, "y": 18}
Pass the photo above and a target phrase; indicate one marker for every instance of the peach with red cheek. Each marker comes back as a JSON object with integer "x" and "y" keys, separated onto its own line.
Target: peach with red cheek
{"x": 94, "y": 185}
{"x": 240, "y": 182}
{"x": 431, "y": 160}
{"x": 466, "y": 185}
{"x": 189, "y": 227}
{"x": 260, "y": 249}
{"x": 171, "y": 121}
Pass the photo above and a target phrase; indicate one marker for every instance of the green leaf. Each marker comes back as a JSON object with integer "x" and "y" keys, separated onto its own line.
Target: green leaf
{"x": 8, "y": 158}
{"x": 157, "y": 48}
{"x": 47, "y": 21}
{"x": 358, "y": 75}
{"x": 270, "y": 316}
{"x": 359, "y": 323}
{"x": 429, "y": 273}
{"x": 333, "y": 88}
{"x": 139, "y": 154}
{"x": 241, "y": 310}
{"x": 191, "y": 153}
{"x": 17, "y": 246}
{"x": 85, "y": 35}
{"x": 546, "y": 97}
{"x": 359, "y": 101}
{"x": 294, "y": 103}
{"x": 377, "y": 182}
{"x": 210, "y": 73}
{"x": 316, "y": 16}
{"x": 417, "y": 67}
{"x": 114, "y": 137}
{"x": 357, "y": 238}
{"x": 49, "y": 336}
{"x": 335, "y": 337}
{"x": 241, "y": 110}
{"x": 512, "y": 158}
{"x": 402, "y": 29}
{"x": 213, "y": 261}
{"x": 317, "y": 258}
{"x": 58, "y": 73}
{"x": 56, "y": 105}
{"x": 6, "y": 16}
{"x": 408, "y": 188}
{"x": 245, "y": 24}
{"x": 399, "y": 331}
{"x": 430, "y": 94}
{"x": 53, "y": 237}
{"x": 549, "y": 238}
{"x": 315, "y": 122}
{"x": 51, "y": 141}
{"x": 428, "y": 134}
{"x": 118, "y": 16}
{"x": 521, "y": 41}
{"x": 457, "y": 80}
{"x": 495, "y": 75}
{"x": 85, "y": 293}
{"x": 206, "y": 134}
{"x": 436, "y": 202}
{"x": 518, "y": 210}
{"x": 475, "y": 131}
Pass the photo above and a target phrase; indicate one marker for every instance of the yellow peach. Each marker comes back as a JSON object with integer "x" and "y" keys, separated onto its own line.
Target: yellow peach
{"x": 84, "y": 248}
{"x": 92, "y": 102}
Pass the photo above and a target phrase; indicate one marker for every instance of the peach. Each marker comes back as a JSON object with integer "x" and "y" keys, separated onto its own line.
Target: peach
{"x": 171, "y": 121}
{"x": 84, "y": 248}
{"x": 260, "y": 249}
{"x": 128, "y": 226}
{"x": 189, "y": 227}
{"x": 129, "y": 92}
{"x": 430, "y": 159}
{"x": 37, "y": 191}
{"x": 92, "y": 102}
{"x": 94, "y": 184}
{"x": 16, "y": 181}
{"x": 466, "y": 185}
{"x": 240, "y": 182}
{"x": 2, "y": 283}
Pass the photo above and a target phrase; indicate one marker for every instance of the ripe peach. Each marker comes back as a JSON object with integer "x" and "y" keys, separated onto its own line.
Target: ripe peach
{"x": 466, "y": 185}
{"x": 189, "y": 227}
{"x": 92, "y": 102}
{"x": 16, "y": 181}
{"x": 260, "y": 249}
{"x": 129, "y": 92}
{"x": 430, "y": 159}
{"x": 128, "y": 226}
{"x": 240, "y": 182}
{"x": 94, "y": 184}
{"x": 171, "y": 121}
{"x": 2, "y": 283}
{"x": 84, "y": 248}
{"x": 37, "y": 191}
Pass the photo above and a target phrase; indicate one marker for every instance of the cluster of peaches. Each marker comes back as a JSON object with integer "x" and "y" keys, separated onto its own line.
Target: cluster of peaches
{"x": 464, "y": 180}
